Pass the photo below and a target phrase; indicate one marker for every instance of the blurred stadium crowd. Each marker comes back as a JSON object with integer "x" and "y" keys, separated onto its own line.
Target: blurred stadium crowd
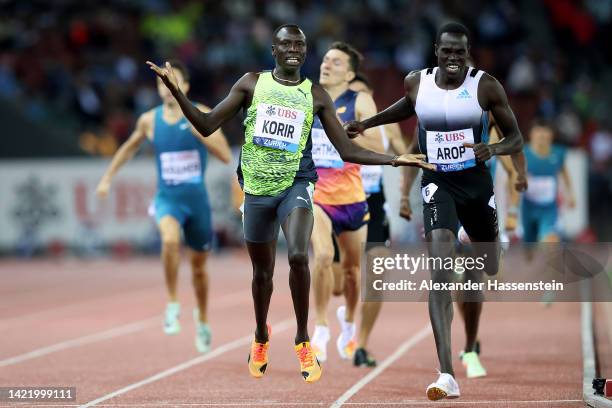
{"x": 73, "y": 78}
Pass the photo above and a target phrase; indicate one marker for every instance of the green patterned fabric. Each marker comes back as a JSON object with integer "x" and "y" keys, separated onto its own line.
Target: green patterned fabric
{"x": 270, "y": 170}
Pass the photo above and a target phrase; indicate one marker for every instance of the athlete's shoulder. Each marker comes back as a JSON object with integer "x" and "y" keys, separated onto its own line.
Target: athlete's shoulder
{"x": 248, "y": 80}
{"x": 147, "y": 118}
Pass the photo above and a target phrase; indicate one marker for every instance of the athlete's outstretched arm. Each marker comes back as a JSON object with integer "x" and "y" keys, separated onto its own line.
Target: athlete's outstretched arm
{"x": 205, "y": 123}
{"x": 125, "y": 153}
{"x": 493, "y": 98}
{"x": 400, "y": 110}
{"x": 324, "y": 108}
{"x": 216, "y": 143}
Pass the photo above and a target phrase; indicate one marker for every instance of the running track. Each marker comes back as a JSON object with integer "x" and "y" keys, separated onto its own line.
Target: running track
{"x": 96, "y": 325}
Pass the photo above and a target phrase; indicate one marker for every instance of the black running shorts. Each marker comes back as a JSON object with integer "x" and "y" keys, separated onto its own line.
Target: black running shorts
{"x": 464, "y": 197}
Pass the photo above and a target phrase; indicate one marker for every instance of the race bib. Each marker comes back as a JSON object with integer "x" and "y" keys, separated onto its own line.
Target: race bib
{"x": 324, "y": 154}
{"x": 542, "y": 189}
{"x": 370, "y": 177}
{"x": 446, "y": 150}
{"x": 278, "y": 127}
{"x": 181, "y": 167}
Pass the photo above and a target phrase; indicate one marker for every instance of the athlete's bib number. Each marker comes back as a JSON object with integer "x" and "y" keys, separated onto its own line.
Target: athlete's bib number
{"x": 446, "y": 150}
{"x": 181, "y": 167}
{"x": 278, "y": 127}
{"x": 324, "y": 154}
{"x": 370, "y": 177}
{"x": 542, "y": 189}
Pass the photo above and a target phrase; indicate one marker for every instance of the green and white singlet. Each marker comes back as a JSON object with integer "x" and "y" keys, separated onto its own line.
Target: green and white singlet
{"x": 278, "y": 148}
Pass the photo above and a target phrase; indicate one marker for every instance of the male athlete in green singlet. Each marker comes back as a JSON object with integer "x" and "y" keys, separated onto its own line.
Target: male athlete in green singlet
{"x": 277, "y": 173}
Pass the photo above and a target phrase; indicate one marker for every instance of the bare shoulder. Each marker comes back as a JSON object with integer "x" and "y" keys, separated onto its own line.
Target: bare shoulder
{"x": 490, "y": 91}
{"x": 248, "y": 81}
{"x": 412, "y": 79}
{"x": 146, "y": 119}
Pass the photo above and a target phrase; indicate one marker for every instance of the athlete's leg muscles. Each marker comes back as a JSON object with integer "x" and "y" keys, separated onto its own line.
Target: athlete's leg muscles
{"x": 170, "y": 232}
{"x": 338, "y": 286}
{"x": 350, "y": 244}
{"x": 370, "y": 310}
{"x": 441, "y": 244}
{"x": 298, "y": 229}
{"x": 262, "y": 258}
{"x": 323, "y": 251}
{"x": 200, "y": 282}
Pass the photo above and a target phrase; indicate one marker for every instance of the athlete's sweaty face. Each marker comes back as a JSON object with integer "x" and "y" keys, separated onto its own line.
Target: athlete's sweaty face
{"x": 452, "y": 52}
{"x": 335, "y": 68}
{"x": 164, "y": 92}
{"x": 541, "y": 136}
{"x": 289, "y": 48}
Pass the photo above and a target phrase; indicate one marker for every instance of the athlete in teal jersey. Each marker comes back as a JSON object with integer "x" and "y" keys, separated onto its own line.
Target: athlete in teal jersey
{"x": 278, "y": 124}
{"x": 545, "y": 163}
{"x": 181, "y": 200}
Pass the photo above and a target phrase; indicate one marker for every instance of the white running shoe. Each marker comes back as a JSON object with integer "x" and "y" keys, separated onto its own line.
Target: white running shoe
{"x": 444, "y": 387}
{"x": 346, "y": 343}
{"x": 203, "y": 334}
{"x": 171, "y": 319}
{"x": 319, "y": 341}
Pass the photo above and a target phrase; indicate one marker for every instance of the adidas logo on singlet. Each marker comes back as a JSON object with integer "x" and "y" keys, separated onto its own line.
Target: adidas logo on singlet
{"x": 464, "y": 94}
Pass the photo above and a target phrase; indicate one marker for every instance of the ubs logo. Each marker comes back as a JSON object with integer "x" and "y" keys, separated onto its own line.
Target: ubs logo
{"x": 438, "y": 138}
{"x": 271, "y": 111}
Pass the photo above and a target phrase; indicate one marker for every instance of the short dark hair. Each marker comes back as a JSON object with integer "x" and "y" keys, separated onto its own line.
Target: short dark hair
{"x": 454, "y": 28}
{"x": 355, "y": 57}
{"x": 297, "y": 27}
{"x": 182, "y": 68}
{"x": 543, "y": 122}
{"x": 361, "y": 77}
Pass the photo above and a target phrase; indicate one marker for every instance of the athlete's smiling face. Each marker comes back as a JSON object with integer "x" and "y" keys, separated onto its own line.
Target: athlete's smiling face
{"x": 335, "y": 68}
{"x": 452, "y": 51}
{"x": 289, "y": 48}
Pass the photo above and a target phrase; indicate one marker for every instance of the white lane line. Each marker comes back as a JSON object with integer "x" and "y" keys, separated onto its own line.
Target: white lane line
{"x": 241, "y": 342}
{"x": 407, "y": 345}
{"x": 297, "y": 404}
{"x": 80, "y": 341}
{"x": 133, "y": 327}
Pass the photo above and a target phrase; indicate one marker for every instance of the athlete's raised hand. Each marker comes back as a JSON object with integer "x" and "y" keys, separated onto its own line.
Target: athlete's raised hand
{"x": 353, "y": 128}
{"x": 414, "y": 160}
{"x": 166, "y": 74}
{"x": 482, "y": 151}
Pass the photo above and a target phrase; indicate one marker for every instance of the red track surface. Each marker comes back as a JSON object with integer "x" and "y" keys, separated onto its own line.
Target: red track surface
{"x": 532, "y": 353}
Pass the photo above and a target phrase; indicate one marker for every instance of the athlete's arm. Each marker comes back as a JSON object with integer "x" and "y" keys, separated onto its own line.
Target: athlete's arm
{"x": 207, "y": 123}
{"x": 216, "y": 143}
{"x": 372, "y": 138}
{"x": 396, "y": 138}
{"x": 409, "y": 174}
{"x": 571, "y": 198}
{"x": 515, "y": 166}
{"x": 492, "y": 97}
{"x": 324, "y": 108}
{"x": 400, "y": 110}
{"x": 125, "y": 152}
